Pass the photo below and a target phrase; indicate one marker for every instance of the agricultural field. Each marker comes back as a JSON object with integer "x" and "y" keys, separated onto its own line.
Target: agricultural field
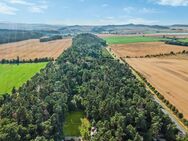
{"x": 184, "y": 40}
{"x": 153, "y": 35}
{"x": 101, "y": 86}
{"x": 144, "y": 48}
{"x": 72, "y": 123}
{"x": 169, "y": 76}
{"x": 31, "y": 49}
{"x": 15, "y": 75}
{"x": 130, "y": 39}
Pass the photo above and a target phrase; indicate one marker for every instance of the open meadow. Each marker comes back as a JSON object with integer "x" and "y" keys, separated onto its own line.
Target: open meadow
{"x": 31, "y": 49}
{"x": 15, "y": 75}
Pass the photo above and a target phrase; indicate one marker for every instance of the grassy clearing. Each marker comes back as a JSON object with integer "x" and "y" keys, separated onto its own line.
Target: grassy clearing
{"x": 134, "y": 39}
{"x": 72, "y": 124}
{"x": 12, "y": 75}
{"x": 184, "y": 40}
{"x": 105, "y": 53}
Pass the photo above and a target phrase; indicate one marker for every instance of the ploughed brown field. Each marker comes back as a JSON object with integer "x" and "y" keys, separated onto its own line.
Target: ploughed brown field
{"x": 168, "y": 75}
{"x": 145, "y": 48}
{"x": 32, "y": 49}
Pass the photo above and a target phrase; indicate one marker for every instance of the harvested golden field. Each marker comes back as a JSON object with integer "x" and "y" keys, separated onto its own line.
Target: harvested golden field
{"x": 144, "y": 48}
{"x": 169, "y": 76}
{"x": 32, "y": 49}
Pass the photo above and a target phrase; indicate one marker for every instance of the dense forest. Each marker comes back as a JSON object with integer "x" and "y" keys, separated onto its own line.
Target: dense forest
{"x": 7, "y": 36}
{"x": 84, "y": 78}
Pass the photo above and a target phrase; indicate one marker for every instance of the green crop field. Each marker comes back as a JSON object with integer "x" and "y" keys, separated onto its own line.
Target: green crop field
{"x": 72, "y": 124}
{"x": 12, "y": 75}
{"x": 184, "y": 40}
{"x": 133, "y": 39}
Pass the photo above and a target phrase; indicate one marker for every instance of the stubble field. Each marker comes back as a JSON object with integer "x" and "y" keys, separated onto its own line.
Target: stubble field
{"x": 169, "y": 76}
{"x": 32, "y": 49}
{"x": 144, "y": 48}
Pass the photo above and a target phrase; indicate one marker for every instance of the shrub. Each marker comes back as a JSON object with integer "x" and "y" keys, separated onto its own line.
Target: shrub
{"x": 180, "y": 115}
{"x": 176, "y": 111}
{"x": 173, "y": 108}
{"x": 51, "y": 38}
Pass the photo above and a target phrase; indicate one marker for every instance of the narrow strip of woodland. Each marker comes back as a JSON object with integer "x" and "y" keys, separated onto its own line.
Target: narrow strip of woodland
{"x": 84, "y": 78}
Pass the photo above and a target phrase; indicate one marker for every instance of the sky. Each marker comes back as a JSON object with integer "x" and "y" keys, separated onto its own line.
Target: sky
{"x": 94, "y": 12}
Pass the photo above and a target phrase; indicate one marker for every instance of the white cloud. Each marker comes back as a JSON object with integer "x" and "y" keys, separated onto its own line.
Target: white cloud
{"x": 8, "y": 10}
{"x": 65, "y": 7}
{"x": 110, "y": 18}
{"x": 125, "y": 20}
{"x": 148, "y": 10}
{"x": 119, "y": 20}
{"x": 22, "y": 2}
{"x": 104, "y": 5}
{"x": 129, "y": 9}
{"x": 140, "y": 10}
{"x": 172, "y": 2}
{"x": 38, "y": 8}
{"x": 142, "y": 21}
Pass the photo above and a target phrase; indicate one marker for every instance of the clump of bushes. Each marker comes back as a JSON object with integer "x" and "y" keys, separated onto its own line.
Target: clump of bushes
{"x": 176, "y": 42}
{"x": 51, "y": 38}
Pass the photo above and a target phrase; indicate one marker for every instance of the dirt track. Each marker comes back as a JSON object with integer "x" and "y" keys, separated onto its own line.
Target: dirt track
{"x": 32, "y": 49}
{"x": 168, "y": 76}
{"x": 142, "y": 49}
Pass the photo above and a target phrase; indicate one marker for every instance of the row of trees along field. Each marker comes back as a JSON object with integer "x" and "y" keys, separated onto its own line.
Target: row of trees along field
{"x": 184, "y": 52}
{"x": 84, "y": 78}
{"x": 18, "y": 60}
